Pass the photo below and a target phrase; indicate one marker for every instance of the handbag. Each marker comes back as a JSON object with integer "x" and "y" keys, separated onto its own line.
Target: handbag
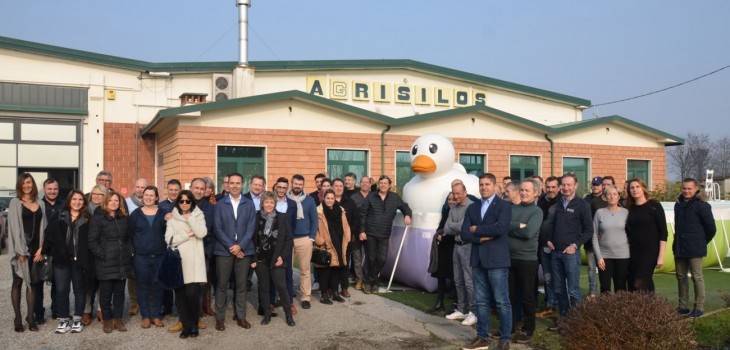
{"x": 42, "y": 271}
{"x": 170, "y": 274}
{"x": 321, "y": 256}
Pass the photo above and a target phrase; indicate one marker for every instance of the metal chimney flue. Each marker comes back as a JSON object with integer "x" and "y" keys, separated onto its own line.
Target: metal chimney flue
{"x": 243, "y": 6}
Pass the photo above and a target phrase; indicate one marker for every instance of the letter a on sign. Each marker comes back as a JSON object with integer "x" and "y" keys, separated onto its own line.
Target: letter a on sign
{"x": 315, "y": 86}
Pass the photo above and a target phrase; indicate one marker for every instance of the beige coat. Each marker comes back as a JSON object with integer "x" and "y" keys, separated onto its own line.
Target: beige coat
{"x": 190, "y": 247}
{"x": 323, "y": 235}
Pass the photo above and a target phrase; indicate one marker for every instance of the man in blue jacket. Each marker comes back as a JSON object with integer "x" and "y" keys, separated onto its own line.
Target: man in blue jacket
{"x": 303, "y": 233}
{"x": 695, "y": 228}
{"x": 569, "y": 226}
{"x": 234, "y": 226}
{"x": 486, "y": 225}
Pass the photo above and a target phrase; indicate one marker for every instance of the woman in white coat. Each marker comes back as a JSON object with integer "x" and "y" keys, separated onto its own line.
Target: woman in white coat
{"x": 187, "y": 228}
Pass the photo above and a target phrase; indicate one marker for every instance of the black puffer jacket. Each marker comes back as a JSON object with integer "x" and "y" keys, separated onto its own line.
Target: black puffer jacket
{"x": 376, "y": 215}
{"x": 65, "y": 241}
{"x": 111, "y": 245}
{"x": 694, "y": 227}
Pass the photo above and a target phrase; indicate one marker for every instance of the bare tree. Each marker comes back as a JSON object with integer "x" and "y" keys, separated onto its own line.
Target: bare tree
{"x": 721, "y": 157}
{"x": 691, "y": 159}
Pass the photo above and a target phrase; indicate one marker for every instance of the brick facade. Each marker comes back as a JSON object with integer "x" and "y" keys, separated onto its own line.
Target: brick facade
{"x": 125, "y": 161}
{"x": 189, "y": 152}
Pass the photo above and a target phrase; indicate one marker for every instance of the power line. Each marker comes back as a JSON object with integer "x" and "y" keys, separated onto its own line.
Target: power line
{"x": 661, "y": 90}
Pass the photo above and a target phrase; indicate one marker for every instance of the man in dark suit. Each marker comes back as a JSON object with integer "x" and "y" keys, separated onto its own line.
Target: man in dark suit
{"x": 486, "y": 225}
{"x": 289, "y": 207}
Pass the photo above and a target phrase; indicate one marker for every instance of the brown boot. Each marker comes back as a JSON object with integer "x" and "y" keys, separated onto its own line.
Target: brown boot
{"x": 86, "y": 319}
{"x": 107, "y": 326}
{"x": 294, "y": 310}
{"x": 345, "y": 293}
{"x": 119, "y": 325}
{"x": 207, "y": 310}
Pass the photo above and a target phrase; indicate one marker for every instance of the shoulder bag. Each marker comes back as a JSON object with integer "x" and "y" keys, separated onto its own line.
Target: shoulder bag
{"x": 169, "y": 274}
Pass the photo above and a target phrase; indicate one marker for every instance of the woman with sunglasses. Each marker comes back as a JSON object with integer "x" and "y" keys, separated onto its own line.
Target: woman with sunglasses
{"x": 186, "y": 230}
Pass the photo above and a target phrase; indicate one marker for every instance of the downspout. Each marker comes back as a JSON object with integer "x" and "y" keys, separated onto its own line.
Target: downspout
{"x": 552, "y": 155}
{"x": 382, "y": 149}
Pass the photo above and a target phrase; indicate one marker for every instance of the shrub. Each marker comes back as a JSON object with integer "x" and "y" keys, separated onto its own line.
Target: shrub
{"x": 625, "y": 321}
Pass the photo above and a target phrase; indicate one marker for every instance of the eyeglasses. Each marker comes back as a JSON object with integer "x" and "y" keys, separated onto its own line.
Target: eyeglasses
{"x": 104, "y": 180}
{"x": 97, "y": 194}
{"x": 185, "y": 201}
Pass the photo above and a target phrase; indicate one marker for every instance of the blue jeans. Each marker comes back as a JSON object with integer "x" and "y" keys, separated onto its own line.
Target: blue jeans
{"x": 547, "y": 272}
{"x": 592, "y": 272}
{"x": 492, "y": 282}
{"x": 63, "y": 276}
{"x": 149, "y": 293}
{"x": 566, "y": 271}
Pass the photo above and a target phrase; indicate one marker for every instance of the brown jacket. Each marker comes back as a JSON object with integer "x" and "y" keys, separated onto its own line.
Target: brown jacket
{"x": 323, "y": 236}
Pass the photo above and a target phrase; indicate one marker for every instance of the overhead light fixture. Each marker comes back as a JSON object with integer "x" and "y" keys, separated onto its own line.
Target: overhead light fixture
{"x": 159, "y": 74}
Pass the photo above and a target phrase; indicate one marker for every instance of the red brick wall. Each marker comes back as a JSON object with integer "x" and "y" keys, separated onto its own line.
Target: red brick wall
{"x": 123, "y": 160}
{"x": 190, "y": 152}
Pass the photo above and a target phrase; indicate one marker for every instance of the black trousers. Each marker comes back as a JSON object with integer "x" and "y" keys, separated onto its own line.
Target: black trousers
{"x": 616, "y": 270}
{"x": 264, "y": 274}
{"x": 186, "y": 300}
{"x": 329, "y": 278}
{"x": 376, "y": 252}
{"x": 111, "y": 298}
{"x": 521, "y": 285}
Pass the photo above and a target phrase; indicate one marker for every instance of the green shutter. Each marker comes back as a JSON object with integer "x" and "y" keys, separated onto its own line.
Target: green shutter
{"x": 473, "y": 163}
{"x": 638, "y": 169}
{"x": 579, "y": 167}
{"x": 403, "y": 172}
{"x": 247, "y": 161}
{"x": 522, "y": 167}
{"x": 341, "y": 162}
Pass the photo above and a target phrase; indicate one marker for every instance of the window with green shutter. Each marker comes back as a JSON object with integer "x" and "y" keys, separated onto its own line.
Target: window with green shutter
{"x": 341, "y": 162}
{"x": 473, "y": 163}
{"x": 579, "y": 167}
{"x": 246, "y": 160}
{"x": 522, "y": 167}
{"x": 403, "y": 172}
{"x": 637, "y": 168}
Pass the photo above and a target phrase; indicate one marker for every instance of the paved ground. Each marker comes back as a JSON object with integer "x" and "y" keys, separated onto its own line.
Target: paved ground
{"x": 363, "y": 321}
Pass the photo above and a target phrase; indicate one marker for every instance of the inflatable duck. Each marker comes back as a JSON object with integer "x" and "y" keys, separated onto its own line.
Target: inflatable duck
{"x": 432, "y": 160}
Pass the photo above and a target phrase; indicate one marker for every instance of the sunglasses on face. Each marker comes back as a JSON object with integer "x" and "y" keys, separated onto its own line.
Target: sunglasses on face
{"x": 185, "y": 201}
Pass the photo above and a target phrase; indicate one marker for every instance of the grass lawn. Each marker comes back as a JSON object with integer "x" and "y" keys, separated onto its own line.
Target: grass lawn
{"x": 708, "y": 329}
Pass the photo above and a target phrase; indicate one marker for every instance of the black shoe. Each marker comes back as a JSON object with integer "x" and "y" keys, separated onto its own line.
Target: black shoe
{"x": 261, "y": 311}
{"x": 194, "y": 333}
{"x": 338, "y": 298}
{"x": 326, "y": 301}
{"x": 290, "y": 320}
{"x": 438, "y": 306}
{"x": 184, "y": 334}
{"x": 523, "y": 338}
{"x": 166, "y": 311}
{"x": 266, "y": 320}
{"x": 306, "y": 305}
{"x": 39, "y": 319}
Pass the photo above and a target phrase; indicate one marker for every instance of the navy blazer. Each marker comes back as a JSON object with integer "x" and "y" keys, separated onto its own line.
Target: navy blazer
{"x": 291, "y": 213}
{"x": 227, "y": 227}
{"x": 494, "y": 253}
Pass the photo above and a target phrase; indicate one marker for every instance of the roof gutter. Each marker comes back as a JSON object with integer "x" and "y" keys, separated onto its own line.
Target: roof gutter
{"x": 382, "y": 149}
{"x": 552, "y": 155}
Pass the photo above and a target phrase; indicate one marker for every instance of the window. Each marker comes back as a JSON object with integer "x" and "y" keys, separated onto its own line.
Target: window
{"x": 522, "y": 167}
{"x": 247, "y": 161}
{"x": 473, "y": 163}
{"x": 403, "y": 172}
{"x": 341, "y": 162}
{"x": 579, "y": 167}
{"x": 638, "y": 168}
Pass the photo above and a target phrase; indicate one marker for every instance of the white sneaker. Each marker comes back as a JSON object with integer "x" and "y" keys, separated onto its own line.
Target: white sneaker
{"x": 63, "y": 327}
{"x": 77, "y": 327}
{"x": 456, "y": 315}
{"x": 315, "y": 286}
{"x": 470, "y": 319}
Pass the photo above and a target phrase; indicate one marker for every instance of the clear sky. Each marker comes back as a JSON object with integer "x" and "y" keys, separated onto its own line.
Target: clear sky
{"x": 597, "y": 50}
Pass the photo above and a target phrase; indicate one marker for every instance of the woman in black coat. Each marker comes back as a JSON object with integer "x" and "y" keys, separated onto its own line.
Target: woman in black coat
{"x": 271, "y": 239}
{"x": 111, "y": 245}
{"x": 67, "y": 242}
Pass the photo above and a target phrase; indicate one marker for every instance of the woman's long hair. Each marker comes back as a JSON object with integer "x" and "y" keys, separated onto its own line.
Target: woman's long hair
{"x": 630, "y": 201}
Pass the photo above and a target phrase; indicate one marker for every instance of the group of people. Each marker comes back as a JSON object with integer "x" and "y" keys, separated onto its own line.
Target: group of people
{"x": 491, "y": 248}
{"x": 101, "y": 244}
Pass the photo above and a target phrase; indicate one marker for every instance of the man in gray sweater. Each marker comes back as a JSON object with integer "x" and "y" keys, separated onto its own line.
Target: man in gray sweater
{"x": 466, "y": 308}
{"x": 523, "y": 234}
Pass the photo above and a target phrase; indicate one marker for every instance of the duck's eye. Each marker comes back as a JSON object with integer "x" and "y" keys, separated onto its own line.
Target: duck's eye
{"x": 433, "y": 148}
{"x": 414, "y": 150}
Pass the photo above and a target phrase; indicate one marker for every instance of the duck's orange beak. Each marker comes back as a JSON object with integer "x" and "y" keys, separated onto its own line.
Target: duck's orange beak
{"x": 423, "y": 165}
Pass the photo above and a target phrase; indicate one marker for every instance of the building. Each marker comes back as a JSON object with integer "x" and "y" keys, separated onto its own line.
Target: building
{"x": 69, "y": 114}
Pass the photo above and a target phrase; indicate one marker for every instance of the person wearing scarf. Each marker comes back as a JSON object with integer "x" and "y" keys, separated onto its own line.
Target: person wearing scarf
{"x": 333, "y": 234}
{"x": 271, "y": 239}
{"x": 67, "y": 242}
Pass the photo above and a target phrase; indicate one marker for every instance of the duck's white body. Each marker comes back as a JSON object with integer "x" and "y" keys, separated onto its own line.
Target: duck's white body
{"x": 432, "y": 159}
